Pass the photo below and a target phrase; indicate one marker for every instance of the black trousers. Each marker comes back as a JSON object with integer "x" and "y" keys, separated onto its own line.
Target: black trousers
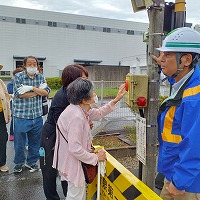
{"x": 3, "y": 139}
{"x": 48, "y": 172}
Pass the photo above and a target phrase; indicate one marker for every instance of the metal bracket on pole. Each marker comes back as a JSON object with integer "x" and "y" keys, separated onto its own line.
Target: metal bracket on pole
{"x": 152, "y": 155}
{"x": 154, "y": 34}
{"x": 152, "y": 145}
{"x": 154, "y": 99}
{"x": 156, "y": 7}
{"x": 151, "y": 125}
{"x": 154, "y": 81}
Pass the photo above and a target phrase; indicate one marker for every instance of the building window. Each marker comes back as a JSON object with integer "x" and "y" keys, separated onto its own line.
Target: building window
{"x": 19, "y": 64}
{"x": 138, "y": 33}
{"x": 108, "y": 30}
{"x": 52, "y": 24}
{"x": 80, "y": 27}
{"x": 130, "y": 32}
{"x": 20, "y": 20}
{"x": 5, "y": 73}
{"x": 23, "y": 21}
{"x": 40, "y": 68}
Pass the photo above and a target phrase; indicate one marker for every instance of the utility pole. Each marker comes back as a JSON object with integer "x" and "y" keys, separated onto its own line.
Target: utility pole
{"x": 156, "y": 17}
{"x": 180, "y": 13}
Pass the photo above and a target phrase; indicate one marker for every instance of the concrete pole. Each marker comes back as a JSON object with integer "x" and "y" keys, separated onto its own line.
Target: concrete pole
{"x": 156, "y": 17}
{"x": 180, "y": 13}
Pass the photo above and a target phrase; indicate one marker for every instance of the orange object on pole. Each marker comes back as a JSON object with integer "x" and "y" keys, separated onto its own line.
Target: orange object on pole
{"x": 180, "y": 6}
{"x": 180, "y": 13}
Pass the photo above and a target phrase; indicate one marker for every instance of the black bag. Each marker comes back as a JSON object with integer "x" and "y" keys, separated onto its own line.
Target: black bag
{"x": 90, "y": 172}
{"x": 44, "y": 106}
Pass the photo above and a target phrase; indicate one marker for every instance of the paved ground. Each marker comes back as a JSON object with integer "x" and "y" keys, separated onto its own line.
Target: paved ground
{"x": 27, "y": 185}
{"x": 24, "y": 186}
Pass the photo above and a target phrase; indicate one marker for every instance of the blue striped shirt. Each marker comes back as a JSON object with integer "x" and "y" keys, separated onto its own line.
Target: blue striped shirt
{"x": 28, "y": 108}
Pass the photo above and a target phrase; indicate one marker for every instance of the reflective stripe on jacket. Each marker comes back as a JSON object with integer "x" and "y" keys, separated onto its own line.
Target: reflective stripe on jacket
{"x": 179, "y": 137}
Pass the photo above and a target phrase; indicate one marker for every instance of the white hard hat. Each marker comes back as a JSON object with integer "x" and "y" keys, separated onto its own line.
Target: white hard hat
{"x": 182, "y": 40}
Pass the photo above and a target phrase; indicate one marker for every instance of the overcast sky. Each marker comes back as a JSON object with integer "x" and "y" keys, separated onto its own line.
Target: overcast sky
{"x": 114, "y": 9}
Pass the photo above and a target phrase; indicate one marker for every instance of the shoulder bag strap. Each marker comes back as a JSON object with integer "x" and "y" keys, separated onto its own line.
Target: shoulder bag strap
{"x": 61, "y": 133}
{"x": 59, "y": 143}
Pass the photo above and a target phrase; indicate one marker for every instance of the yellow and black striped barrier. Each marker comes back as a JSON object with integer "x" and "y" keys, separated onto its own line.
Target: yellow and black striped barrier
{"x": 120, "y": 184}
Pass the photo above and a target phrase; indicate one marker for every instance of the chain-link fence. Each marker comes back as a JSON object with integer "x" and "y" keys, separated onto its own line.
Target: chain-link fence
{"x": 122, "y": 116}
{"x": 119, "y": 118}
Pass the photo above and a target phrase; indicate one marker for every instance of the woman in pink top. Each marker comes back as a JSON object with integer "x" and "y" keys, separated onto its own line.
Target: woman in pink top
{"x": 74, "y": 124}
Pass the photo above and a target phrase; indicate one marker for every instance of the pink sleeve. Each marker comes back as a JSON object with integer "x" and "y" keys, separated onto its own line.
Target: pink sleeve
{"x": 98, "y": 113}
{"x": 77, "y": 141}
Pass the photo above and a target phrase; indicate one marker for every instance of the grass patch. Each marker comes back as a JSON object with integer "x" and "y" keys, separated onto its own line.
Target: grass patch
{"x": 52, "y": 93}
{"x": 107, "y": 92}
{"x": 130, "y": 133}
{"x": 114, "y": 141}
{"x": 108, "y": 141}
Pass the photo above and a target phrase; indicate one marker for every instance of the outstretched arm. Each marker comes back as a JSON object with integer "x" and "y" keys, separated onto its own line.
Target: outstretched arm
{"x": 120, "y": 94}
{"x": 96, "y": 114}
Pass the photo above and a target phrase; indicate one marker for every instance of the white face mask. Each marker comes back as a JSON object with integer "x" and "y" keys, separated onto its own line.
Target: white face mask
{"x": 95, "y": 104}
{"x": 96, "y": 100}
{"x": 31, "y": 70}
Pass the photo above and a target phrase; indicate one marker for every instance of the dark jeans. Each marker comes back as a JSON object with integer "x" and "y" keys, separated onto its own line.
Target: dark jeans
{"x": 3, "y": 139}
{"x": 48, "y": 172}
{"x": 22, "y": 129}
{"x": 11, "y": 125}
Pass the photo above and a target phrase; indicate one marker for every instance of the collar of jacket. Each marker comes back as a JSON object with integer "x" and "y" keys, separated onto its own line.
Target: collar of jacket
{"x": 176, "y": 101}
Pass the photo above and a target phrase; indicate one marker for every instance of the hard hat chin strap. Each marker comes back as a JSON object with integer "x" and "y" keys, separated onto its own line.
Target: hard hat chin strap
{"x": 195, "y": 60}
{"x": 178, "y": 62}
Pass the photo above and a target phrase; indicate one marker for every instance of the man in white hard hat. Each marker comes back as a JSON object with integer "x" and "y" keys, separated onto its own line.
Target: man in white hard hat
{"x": 179, "y": 116}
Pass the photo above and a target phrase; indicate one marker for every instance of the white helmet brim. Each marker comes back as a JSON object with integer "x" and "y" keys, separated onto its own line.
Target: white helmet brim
{"x": 189, "y": 50}
{"x": 182, "y": 39}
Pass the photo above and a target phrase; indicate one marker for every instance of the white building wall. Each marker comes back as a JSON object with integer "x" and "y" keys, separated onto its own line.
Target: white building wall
{"x": 61, "y": 45}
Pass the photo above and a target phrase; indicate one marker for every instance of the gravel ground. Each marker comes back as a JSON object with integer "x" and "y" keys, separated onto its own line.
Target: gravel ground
{"x": 132, "y": 164}
{"x": 129, "y": 162}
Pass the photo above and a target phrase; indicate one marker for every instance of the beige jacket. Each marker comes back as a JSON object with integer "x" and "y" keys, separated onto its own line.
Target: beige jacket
{"x": 5, "y": 98}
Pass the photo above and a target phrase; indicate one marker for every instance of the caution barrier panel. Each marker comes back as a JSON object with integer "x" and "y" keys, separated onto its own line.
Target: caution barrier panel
{"x": 119, "y": 184}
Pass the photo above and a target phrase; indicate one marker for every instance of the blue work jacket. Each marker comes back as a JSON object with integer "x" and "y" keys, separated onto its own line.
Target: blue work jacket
{"x": 179, "y": 136}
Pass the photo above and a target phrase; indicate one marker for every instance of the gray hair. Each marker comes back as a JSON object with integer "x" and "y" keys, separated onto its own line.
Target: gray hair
{"x": 79, "y": 89}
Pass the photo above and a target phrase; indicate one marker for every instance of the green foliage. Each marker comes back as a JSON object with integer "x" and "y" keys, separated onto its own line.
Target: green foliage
{"x": 162, "y": 98}
{"x": 6, "y": 78}
{"x": 107, "y": 92}
{"x": 52, "y": 93}
{"x": 130, "y": 133}
{"x": 54, "y": 83}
